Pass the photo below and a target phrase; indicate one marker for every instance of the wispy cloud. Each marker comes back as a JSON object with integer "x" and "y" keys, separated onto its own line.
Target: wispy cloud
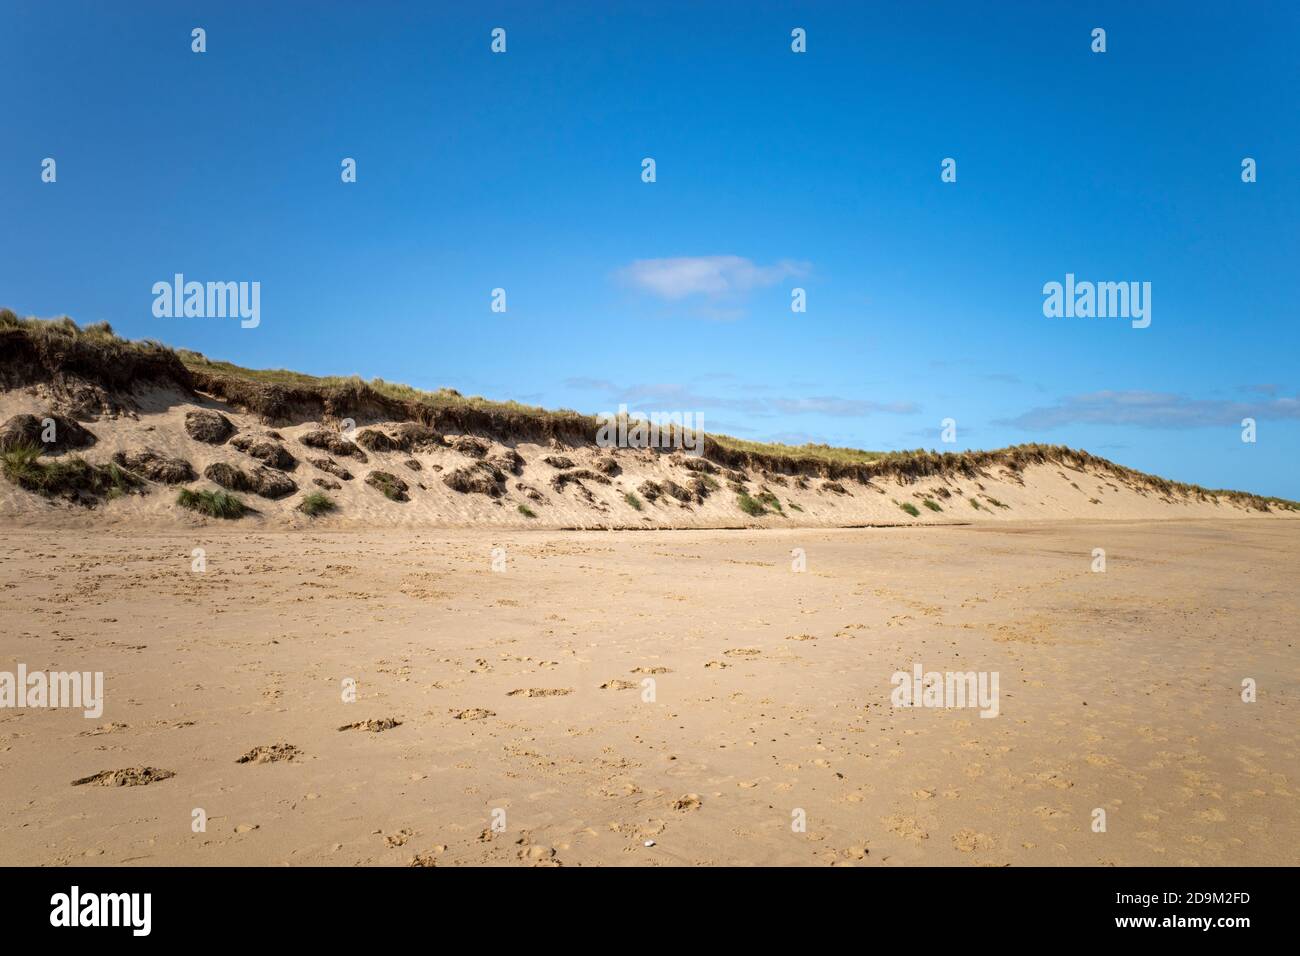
{"x": 840, "y": 407}
{"x": 716, "y": 278}
{"x": 672, "y": 395}
{"x": 1150, "y": 410}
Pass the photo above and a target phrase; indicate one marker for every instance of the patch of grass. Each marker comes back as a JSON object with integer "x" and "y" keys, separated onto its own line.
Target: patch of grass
{"x": 710, "y": 482}
{"x": 819, "y": 452}
{"x": 974, "y": 504}
{"x": 387, "y": 484}
{"x": 67, "y": 477}
{"x": 997, "y": 504}
{"x": 749, "y": 505}
{"x": 792, "y": 506}
{"x": 440, "y": 398}
{"x": 932, "y": 505}
{"x": 769, "y": 500}
{"x": 527, "y": 512}
{"x": 21, "y": 467}
{"x": 910, "y": 509}
{"x": 633, "y": 500}
{"x": 316, "y": 503}
{"x": 214, "y": 504}
{"x": 120, "y": 481}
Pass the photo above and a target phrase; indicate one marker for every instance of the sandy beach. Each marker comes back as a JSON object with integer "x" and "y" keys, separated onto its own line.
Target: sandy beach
{"x": 656, "y": 697}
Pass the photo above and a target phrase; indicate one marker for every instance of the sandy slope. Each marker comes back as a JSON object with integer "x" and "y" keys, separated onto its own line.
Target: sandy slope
{"x": 1041, "y": 492}
{"x": 772, "y": 694}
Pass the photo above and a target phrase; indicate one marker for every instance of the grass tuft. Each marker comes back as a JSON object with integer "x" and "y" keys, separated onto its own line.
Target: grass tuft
{"x": 214, "y": 504}
{"x": 73, "y": 478}
{"x": 749, "y": 505}
{"x": 910, "y": 509}
{"x": 932, "y": 505}
{"x": 527, "y": 512}
{"x": 316, "y": 503}
{"x": 633, "y": 500}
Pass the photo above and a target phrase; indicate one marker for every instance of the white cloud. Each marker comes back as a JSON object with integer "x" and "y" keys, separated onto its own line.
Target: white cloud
{"x": 714, "y": 277}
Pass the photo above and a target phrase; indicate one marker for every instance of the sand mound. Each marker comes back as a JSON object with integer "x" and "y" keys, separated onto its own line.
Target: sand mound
{"x": 149, "y": 464}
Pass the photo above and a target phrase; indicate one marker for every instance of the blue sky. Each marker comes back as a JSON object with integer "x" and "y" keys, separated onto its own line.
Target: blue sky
{"x": 774, "y": 170}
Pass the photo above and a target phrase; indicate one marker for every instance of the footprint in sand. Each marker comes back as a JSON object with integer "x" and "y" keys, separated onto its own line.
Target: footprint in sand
{"x": 619, "y": 685}
{"x": 473, "y": 713}
{"x": 541, "y": 692}
{"x": 968, "y": 841}
{"x": 271, "y": 753}
{"x": 428, "y": 859}
{"x": 742, "y": 652}
{"x": 717, "y": 665}
{"x": 690, "y": 801}
{"x": 538, "y": 855}
{"x": 651, "y": 670}
{"x": 1053, "y": 778}
{"x": 127, "y": 777}
{"x": 104, "y": 729}
{"x": 908, "y": 827}
{"x": 375, "y": 725}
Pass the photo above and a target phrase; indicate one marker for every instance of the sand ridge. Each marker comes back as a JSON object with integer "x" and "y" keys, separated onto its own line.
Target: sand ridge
{"x": 560, "y": 486}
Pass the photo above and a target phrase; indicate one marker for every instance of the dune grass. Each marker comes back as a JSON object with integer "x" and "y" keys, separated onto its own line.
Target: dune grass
{"x": 437, "y": 398}
{"x": 317, "y": 503}
{"x": 72, "y": 476}
{"x": 931, "y": 504}
{"x": 852, "y": 456}
{"x": 214, "y": 504}
{"x": 527, "y": 512}
{"x": 749, "y": 505}
{"x": 911, "y": 509}
{"x": 633, "y": 500}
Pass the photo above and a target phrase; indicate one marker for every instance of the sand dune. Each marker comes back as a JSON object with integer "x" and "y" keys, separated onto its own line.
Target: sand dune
{"x": 574, "y": 494}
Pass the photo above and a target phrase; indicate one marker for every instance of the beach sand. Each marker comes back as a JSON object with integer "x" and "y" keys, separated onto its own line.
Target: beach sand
{"x": 522, "y": 700}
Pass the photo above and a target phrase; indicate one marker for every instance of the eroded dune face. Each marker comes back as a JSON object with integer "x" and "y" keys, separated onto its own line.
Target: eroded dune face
{"x": 399, "y": 473}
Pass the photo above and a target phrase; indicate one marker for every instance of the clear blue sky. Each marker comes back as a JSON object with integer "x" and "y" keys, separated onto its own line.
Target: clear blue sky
{"x": 775, "y": 170}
